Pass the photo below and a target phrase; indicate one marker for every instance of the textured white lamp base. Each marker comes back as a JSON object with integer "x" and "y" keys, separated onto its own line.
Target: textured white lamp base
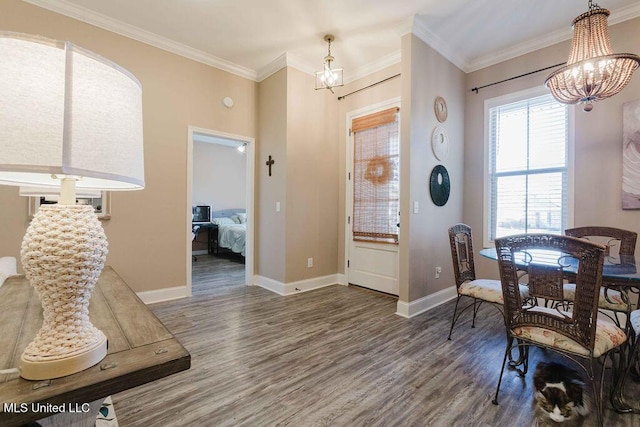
{"x": 63, "y": 253}
{"x": 63, "y": 366}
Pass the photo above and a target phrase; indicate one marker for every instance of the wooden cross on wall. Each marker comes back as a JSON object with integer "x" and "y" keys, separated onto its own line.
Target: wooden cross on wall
{"x": 269, "y": 163}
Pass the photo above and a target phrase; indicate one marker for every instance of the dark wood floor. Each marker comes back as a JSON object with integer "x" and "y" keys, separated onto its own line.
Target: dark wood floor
{"x": 336, "y": 356}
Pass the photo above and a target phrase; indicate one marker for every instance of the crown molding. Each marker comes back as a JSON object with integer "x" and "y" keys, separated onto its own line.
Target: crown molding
{"x": 420, "y": 30}
{"x": 99, "y": 20}
{"x": 372, "y": 67}
{"x": 272, "y": 67}
{"x": 625, "y": 14}
{"x": 517, "y": 50}
{"x": 620, "y": 15}
{"x": 290, "y": 60}
{"x": 410, "y": 25}
{"x": 285, "y": 60}
{"x": 300, "y": 64}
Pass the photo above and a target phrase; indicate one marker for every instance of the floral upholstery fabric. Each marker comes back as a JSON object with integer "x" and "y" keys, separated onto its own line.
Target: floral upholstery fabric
{"x": 608, "y": 336}
{"x": 487, "y": 290}
{"x": 612, "y": 301}
{"x": 635, "y": 321}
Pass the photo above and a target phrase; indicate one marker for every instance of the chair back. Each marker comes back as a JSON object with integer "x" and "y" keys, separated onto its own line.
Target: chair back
{"x": 626, "y": 239}
{"x": 516, "y": 253}
{"x": 461, "y": 244}
{"x": 194, "y": 231}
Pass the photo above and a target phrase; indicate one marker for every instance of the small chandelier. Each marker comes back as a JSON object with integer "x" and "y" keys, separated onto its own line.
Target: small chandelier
{"x": 592, "y": 72}
{"x": 329, "y": 77}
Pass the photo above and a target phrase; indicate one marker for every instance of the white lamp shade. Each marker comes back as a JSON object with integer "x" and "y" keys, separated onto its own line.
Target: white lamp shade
{"x": 66, "y": 111}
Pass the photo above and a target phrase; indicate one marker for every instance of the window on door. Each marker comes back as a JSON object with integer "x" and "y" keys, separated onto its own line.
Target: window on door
{"x": 529, "y": 177}
{"x": 376, "y": 182}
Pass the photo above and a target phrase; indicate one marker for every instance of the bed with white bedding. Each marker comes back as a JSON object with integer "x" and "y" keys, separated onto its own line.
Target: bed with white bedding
{"x": 232, "y": 230}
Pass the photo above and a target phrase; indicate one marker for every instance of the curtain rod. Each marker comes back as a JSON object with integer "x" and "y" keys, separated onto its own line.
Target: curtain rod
{"x": 476, "y": 89}
{"x": 340, "y": 98}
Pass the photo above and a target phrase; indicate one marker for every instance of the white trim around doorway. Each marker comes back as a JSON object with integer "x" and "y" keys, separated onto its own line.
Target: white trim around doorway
{"x": 369, "y": 109}
{"x": 250, "y": 202}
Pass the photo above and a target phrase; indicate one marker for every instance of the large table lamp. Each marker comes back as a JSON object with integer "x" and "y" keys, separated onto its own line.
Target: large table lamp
{"x": 68, "y": 119}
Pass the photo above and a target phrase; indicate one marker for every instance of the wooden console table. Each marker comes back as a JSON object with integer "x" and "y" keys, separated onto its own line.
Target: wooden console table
{"x": 140, "y": 350}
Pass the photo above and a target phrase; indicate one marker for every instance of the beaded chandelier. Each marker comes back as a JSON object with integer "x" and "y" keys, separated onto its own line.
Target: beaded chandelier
{"x": 592, "y": 72}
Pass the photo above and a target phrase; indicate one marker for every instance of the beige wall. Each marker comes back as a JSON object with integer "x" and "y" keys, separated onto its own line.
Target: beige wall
{"x": 424, "y": 240}
{"x": 296, "y": 127}
{"x": 312, "y": 179}
{"x": 598, "y": 139}
{"x": 219, "y": 176}
{"x": 148, "y": 230}
{"x": 272, "y": 137}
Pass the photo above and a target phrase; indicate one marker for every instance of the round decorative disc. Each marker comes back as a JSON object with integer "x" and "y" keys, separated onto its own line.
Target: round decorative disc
{"x": 439, "y": 185}
{"x": 440, "y": 143}
{"x": 440, "y": 108}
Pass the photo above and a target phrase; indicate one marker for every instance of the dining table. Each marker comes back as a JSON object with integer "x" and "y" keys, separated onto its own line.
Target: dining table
{"x": 619, "y": 273}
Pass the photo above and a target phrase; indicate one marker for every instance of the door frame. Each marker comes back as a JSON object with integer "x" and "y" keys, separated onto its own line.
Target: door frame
{"x": 250, "y": 155}
{"x": 363, "y": 111}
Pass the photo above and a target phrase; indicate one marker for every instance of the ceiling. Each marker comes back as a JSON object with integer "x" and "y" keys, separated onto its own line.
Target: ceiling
{"x": 254, "y": 38}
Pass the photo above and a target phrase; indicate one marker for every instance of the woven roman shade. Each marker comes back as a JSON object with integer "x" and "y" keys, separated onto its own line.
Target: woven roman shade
{"x": 376, "y": 186}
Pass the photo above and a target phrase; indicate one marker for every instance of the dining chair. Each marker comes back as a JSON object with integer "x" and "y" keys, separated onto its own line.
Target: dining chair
{"x": 578, "y": 335}
{"x": 195, "y": 229}
{"x": 625, "y": 242}
{"x": 467, "y": 285}
{"x": 632, "y": 368}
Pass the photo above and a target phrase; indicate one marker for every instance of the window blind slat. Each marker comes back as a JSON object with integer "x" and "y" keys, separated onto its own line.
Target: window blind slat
{"x": 528, "y": 167}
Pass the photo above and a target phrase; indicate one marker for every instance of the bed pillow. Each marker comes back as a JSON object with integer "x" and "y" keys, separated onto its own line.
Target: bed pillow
{"x": 223, "y": 221}
{"x": 242, "y": 217}
{"x": 235, "y": 218}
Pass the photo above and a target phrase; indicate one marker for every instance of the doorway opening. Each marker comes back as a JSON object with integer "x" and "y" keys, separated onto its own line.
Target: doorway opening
{"x": 219, "y": 211}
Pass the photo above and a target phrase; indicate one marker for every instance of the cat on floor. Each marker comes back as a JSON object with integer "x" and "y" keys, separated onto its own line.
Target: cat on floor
{"x": 559, "y": 395}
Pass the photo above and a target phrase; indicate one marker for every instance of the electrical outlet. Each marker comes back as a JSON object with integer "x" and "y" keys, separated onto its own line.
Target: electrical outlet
{"x": 277, "y": 206}
{"x": 309, "y": 262}
{"x": 438, "y": 271}
{"x": 416, "y": 207}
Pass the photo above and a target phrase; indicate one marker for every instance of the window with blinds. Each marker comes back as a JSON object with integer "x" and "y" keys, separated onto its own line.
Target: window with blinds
{"x": 528, "y": 167}
{"x": 376, "y": 177}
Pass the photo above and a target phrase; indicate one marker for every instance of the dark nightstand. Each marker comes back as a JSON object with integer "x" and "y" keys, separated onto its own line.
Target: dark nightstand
{"x": 213, "y": 239}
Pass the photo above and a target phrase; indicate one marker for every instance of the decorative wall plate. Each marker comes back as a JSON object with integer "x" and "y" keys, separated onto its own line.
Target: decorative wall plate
{"x": 439, "y": 185}
{"x": 440, "y": 143}
{"x": 440, "y": 108}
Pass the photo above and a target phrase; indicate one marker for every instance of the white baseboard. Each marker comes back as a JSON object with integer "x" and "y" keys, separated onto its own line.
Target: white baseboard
{"x": 200, "y": 252}
{"x": 426, "y": 303}
{"x": 166, "y": 294}
{"x": 299, "y": 286}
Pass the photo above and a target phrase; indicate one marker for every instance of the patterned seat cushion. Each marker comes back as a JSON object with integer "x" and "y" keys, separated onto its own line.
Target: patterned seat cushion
{"x": 612, "y": 301}
{"x": 635, "y": 321}
{"x": 608, "y": 336}
{"x": 487, "y": 290}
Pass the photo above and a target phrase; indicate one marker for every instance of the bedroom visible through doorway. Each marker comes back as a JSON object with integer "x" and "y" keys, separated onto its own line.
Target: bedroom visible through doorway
{"x": 220, "y": 211}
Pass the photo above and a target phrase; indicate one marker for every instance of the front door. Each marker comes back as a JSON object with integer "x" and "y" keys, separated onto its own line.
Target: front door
{"x": 374, "y": 186}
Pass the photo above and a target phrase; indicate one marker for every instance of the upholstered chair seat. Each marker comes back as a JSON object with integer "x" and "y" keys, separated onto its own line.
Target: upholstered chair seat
{"x": 487, "y": 290}
{"x": 610, "y": 299}
{"x": 467, "y": 285}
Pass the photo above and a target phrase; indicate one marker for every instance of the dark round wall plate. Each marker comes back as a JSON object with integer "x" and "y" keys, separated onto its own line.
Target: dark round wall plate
{"x": 439, "y": 185}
